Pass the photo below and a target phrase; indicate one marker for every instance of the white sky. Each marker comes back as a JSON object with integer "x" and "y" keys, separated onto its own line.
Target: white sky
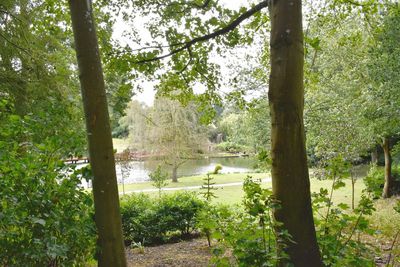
{"x": 147, "y": 96}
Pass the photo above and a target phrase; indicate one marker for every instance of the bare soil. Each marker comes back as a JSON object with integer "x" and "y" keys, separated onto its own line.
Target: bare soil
{"x": 193, "y": 253}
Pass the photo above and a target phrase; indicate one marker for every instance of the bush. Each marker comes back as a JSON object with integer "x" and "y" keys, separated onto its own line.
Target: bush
{"x": 375, "y": 180}
{"x": 217, "y": 168}
{"x": 231, "y": 147}
{"x": 45, "y": 217}
{"x": 151, "y": 221}
{"x": 247, "y": 234}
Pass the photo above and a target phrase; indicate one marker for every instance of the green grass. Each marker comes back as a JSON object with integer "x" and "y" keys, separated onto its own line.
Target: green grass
{"x": 197, "y": 180}
{"x": 234, "y": 194}
{"x": 384, "y": 220}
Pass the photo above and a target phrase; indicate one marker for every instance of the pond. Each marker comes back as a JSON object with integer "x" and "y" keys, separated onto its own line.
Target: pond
{"x": 141, "y": 169}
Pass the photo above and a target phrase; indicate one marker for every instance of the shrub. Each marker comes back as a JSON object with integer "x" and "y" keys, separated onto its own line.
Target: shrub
{"x": 248, "y": 234}
{"x": 178, "y": 212}
{"x": 150, "y": 221}
{"x": 45, "y": 217}
{"x": 338, "y": 228}
{"x": 231, "y": 147}
{"x": 217, "y": 168}
{"x": 139, "y": 219}
{"x": 375, "y": 180}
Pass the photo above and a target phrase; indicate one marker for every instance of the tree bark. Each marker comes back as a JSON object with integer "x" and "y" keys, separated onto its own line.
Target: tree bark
{"x": 388, "y": 187}
{"x": 374, "y": 156}
{"x": 105, "y": 190}
{"x": 175, "y": 173}
{"x": 290, "y": 180}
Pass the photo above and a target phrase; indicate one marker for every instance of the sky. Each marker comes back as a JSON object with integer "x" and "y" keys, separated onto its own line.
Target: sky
{"x": 147, "y": 96}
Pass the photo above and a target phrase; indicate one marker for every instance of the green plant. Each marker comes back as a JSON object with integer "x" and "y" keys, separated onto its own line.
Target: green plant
{"x": 231, "y": 147}
{"x": 217, "y": 168}
{"x": 126, "y": 166}
{"x": 159, "y": 179}
{"x": 339, "y": 228}
{"x": 45, "y": 215}
{"x": 151, "y": 221}
{"x": 248, "y": 233}
{"x": 205, "y": 215}
{"x": 207, "y": 189}
{"x": 375, "y": 180}
{"x": 178, "y": 212}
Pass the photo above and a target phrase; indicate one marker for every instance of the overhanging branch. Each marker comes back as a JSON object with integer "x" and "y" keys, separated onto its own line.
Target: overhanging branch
{"x": 230, "y": 27}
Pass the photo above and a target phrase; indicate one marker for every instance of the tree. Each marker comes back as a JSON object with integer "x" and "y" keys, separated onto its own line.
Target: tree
{"x": 190, "y": 53}
{"x": 175, "y": 133}
{"x": 382, "y": 97}
{"x": 105, "y": 190}
{"x": 36, "y": 74}
{"x": 159, "y": 179}
{"x": 137, "y": 122}
{"x": 290, "y": 181}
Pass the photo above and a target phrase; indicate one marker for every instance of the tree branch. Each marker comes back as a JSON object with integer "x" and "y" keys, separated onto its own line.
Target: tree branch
{"x": 230, "y": 27}
{"x": 14, "y": 44}
{"x": 355, "y": 3}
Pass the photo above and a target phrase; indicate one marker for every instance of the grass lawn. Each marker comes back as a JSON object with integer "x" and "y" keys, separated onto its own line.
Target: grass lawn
{"x": 234, "y": 194}
{"x": 197, "y": 180}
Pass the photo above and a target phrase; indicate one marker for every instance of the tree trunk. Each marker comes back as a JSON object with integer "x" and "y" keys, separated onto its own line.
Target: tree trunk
{"x": 290, "y": 180}
{"x": 105, "y": 190}
{"x": 174, "y": 173}
{"x": 388, "y": 188}
{"x": 353, "y": 183}
{"x": 374, "y": 156}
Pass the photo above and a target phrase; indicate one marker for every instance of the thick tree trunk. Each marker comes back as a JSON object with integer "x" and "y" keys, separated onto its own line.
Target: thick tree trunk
{"x": 105, "y": 190}
{"x": 290, "y": 181}
{"x": 388, "y": 188}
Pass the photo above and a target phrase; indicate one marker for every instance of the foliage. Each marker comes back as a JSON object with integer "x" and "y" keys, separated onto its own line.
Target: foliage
{"x": 208, "y": 188}
{"x": 126, "y": 167}
{"x": 338, "y": 228}
{"x": 231, "y": 147}
{"x": 249, "y": 233}
{"x": 217, "y": 168}
{"x": 375, "y": 180}
{"x": 382, "y": 97}
{"x": 168, "y": 129}
{"x": 246, "y": 130}
{"x": 150, "y": 221}
{"x": 207, "y": 191}
{"x": 263, "y": 161}
{"x": 45, "y": 216}
{"x": 336, "y": 64}
{"x": 159, "y": 179}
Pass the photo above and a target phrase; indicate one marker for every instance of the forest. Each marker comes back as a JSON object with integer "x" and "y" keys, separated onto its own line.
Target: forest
{"x": 199, "y": 133}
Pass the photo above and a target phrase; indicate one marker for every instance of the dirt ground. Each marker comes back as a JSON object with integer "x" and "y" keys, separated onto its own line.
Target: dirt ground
{"x": 196, "y": 253}
{"x": 193, "y": 253}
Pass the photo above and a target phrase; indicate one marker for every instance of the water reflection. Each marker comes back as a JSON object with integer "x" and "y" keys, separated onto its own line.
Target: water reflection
{"x": 141, "y": 169}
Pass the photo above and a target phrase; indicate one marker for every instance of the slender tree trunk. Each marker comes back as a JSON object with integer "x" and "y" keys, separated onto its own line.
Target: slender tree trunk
{"x": 105, "y": 190}
{"x": 175, "y": 173}
{"x": 388, "y": 188}
{"x": 353, "y": 183}
{"x": 290, "y": 180}
{"x": 374, "y": 155}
